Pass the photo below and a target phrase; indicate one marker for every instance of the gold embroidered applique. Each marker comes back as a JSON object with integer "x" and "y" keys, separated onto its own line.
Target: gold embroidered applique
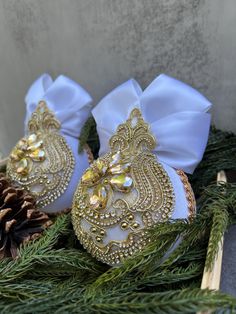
{"x": 42, "y": 162}
{"x": 122, "y": 194}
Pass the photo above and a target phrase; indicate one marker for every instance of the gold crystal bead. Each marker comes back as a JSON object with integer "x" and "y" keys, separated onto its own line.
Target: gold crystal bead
{"x": 98, "y": 200}
{"x": 102, "y": 232}
{"x": 99, "y": 239}
{"x": 124, "y": 225}
{"x": 23, "y": 167}
{"x": 130, "y": 217}
{"x": 90, "y": 177}
{"x": 135, "y": 225}
{"x": 122, "y": 182}
{"x": 37, "y": 155}
{"x": 93, "y": 230}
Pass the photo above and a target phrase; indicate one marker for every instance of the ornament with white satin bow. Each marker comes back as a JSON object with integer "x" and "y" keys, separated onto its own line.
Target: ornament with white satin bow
{"x": 148, "y": 140}
{"x": 46, "y": 161}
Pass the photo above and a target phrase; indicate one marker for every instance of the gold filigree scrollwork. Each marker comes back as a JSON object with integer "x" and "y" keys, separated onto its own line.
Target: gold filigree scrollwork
{"x": 42, "y": 162}
{"x": 122, "y": 194}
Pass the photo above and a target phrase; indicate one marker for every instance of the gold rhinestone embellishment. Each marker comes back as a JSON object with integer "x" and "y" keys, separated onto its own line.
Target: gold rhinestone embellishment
{"x": 122, "y": 194}
{"x": 42, "y": 162}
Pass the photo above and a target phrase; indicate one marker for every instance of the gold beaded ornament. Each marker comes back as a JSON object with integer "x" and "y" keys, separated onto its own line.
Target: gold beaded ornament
{"x": 42, "y": 162}
{"x": 122, "y": 194}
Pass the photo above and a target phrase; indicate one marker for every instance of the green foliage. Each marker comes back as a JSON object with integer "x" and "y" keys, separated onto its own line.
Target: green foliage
{"x": 89, "y": 135}
{"x": 3, "y": 169}
{"x": 220, "y": 154}
{"x": 33, "y": 252}
{"x": 55, "y": 274}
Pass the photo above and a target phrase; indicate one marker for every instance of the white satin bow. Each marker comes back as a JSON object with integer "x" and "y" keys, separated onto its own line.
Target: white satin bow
{"x": 68, "y": 100}
{"x": 176, "y": 113}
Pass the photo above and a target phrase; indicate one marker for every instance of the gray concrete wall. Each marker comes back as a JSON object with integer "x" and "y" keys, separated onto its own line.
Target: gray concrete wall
{"x": 101, "y": 43}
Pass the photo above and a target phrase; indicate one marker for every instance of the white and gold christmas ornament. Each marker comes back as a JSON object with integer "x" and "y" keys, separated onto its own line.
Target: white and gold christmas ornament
{"x": 148, "y": 141}
{"x": 46, "y": 161}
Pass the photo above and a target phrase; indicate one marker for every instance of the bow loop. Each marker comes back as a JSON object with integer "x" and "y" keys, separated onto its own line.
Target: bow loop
{"x": 70, "y": 103}
{"x": 117, "y": 105}
{"x": 176, "y": 113}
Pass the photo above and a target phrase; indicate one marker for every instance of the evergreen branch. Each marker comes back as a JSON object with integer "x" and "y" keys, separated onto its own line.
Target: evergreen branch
{"x": 31, "y": 252}
{"x": 67, "y": 292}
{"x": 24, "y": 289}
{"x": 157, "y": 280}
{"x": 184, "y": 301}
{"x": 88, "y": 135}
{"x": 62, "y": 262}
{"x": 192, "y": 235}
{"x": 220, "y": 154}
{"x": 219, "y": 225}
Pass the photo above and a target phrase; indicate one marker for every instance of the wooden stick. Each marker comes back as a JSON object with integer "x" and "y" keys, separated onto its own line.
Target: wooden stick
{"x": 211, "y": 278}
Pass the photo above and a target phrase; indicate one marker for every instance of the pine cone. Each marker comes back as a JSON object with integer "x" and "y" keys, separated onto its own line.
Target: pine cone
{"x": 20, "y": 221}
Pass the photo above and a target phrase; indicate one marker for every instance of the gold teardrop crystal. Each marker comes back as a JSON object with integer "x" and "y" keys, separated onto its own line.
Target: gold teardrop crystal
{"x": 37, "y": 155}
{"x": 98, "y": 200}
{"x": 22, "y": 144}
{"x": 90, "y": 177}
{"x": 101, "y": 166}
{"x": 35, "y": 146}
{"x": 24, "y": 167}
{"x": 16, "y": 154}
{"x": 32, "y": 138}
{"x": 119, "y": 168}
{"x": 115, "y": 159}
{"x": 122, "y": 183}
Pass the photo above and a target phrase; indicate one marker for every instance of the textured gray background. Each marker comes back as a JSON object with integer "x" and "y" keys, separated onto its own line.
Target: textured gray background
{"x": 101, "y": 43}
{"x": 228, "y": 274}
